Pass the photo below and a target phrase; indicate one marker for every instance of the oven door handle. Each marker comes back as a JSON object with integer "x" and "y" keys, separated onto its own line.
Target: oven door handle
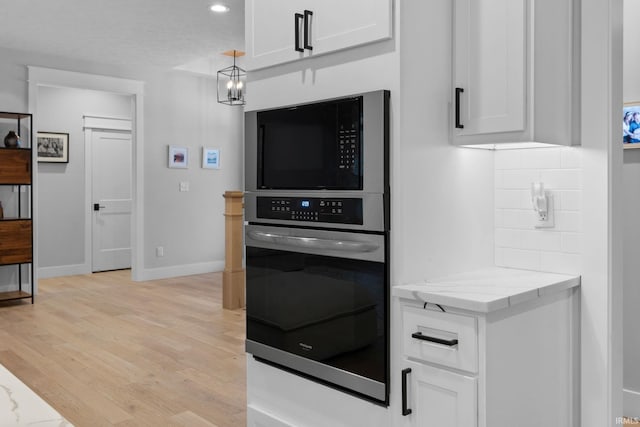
{"x": 313, "y": 242}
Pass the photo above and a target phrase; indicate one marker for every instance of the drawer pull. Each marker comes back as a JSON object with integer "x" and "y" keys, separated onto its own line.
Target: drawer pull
{"x": 419, "y": 336}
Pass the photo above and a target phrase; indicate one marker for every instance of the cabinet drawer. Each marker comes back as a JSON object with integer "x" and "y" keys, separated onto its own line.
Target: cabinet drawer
{"x": 15, "y": 241}
{"x": 443, "y": 338}
{"x": 15, "y": 166}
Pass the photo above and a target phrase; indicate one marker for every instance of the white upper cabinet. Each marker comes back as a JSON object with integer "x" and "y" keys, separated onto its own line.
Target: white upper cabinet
{"x": 279, "y": 31}
{"x": 515, "y": 73}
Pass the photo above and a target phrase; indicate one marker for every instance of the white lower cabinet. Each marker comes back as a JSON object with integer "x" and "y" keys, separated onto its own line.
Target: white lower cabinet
{"x": 437, "y": 397}
{"x": 509, "y": 367}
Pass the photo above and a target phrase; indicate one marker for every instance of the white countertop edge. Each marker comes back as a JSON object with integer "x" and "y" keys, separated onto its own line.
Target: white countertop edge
{"x": 527, "y": 285}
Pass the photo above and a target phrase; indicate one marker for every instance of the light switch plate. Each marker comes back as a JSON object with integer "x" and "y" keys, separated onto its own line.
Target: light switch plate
{"x": 184, "y": 186}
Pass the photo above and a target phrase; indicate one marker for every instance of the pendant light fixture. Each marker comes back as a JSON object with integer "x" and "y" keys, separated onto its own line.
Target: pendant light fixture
{"x": 232, "y": 82}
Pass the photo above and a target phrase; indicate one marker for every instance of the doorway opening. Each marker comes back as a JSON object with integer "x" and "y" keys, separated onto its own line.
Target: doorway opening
{"x": 112, "y": 169}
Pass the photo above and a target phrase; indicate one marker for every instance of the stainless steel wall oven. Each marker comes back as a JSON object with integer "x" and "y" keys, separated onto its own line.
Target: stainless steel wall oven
{"x": 317, "y": 211}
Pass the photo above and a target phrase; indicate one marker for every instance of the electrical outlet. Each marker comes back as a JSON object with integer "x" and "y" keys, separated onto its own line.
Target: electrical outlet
{"x": 184, "y": 186}
{"x": 548, "y": 220}
{"x": 160, "y": 251}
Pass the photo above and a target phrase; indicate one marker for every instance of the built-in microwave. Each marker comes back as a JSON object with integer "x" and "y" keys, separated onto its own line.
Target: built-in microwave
{"x": 334, "y": 145}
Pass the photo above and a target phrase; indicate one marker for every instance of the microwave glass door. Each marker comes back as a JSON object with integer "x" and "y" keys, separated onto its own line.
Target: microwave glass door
{"x": 327, "y": 309}
{"x": 316, "y": 146}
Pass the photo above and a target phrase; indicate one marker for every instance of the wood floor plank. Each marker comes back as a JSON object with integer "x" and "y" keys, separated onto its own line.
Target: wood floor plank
{"x": 106, "y": 351}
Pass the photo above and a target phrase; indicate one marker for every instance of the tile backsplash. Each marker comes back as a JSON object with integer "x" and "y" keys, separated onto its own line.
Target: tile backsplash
{"x": 517, "y": 243}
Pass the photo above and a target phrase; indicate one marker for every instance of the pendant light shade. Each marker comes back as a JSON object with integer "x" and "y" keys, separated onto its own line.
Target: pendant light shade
{"x": 232, "y": 82}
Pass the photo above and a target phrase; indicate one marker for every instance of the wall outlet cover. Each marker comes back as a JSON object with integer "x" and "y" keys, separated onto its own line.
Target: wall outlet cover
{"x": 549, "y": 221}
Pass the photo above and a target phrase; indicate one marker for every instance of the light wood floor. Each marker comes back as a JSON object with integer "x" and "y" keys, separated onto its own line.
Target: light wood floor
{"x": 103, "y": 350}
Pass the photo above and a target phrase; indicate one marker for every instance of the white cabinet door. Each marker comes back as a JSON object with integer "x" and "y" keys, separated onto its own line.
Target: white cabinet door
{"x": 270, "y": 31}
{"x": 339, "y": 24}
{"x": 440, "y": 398}
{"x": 490, "y": 66}
{"x": 271, "y": 27}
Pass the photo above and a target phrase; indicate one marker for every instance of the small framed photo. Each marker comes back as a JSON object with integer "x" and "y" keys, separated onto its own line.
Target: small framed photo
{"x": 178, "y": 157}
{"x": 631, "y": 125}
{"x": 53, "y": 147}
{"x": 210, "y": 158}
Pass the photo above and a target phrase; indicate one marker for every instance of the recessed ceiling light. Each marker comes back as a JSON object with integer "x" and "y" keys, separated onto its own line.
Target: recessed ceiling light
{"x": 219, "y": 8}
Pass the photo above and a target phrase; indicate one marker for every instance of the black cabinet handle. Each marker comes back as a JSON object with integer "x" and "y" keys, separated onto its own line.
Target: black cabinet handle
{"x": 307, "y": 15}
{"x": 97, "y": 206}
{"x": 459, "y": 125}
{"x": 419, "y": 336}
{"x": 405, "y": 411}
{"x": 296, "y": 29}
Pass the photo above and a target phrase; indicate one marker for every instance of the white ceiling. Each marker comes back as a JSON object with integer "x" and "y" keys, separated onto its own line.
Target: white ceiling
{"x": 158, "y": 33}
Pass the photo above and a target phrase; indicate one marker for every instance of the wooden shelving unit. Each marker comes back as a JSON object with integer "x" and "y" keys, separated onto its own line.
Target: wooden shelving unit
{"x": 16, "y": 228}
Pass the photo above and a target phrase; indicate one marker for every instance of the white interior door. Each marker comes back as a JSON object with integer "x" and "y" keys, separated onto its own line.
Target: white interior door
{"x": 111, "y": 154}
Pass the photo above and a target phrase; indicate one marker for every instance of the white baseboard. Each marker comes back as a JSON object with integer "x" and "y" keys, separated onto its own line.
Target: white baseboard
{"x": 178, "y": 270}
{"x": 63, "y": 270}
{"x": 631, "y": 403}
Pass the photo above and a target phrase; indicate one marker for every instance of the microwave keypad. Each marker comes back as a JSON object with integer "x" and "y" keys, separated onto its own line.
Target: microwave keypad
{"x": 311, "y": 209}
{"x": 347, "y": 148}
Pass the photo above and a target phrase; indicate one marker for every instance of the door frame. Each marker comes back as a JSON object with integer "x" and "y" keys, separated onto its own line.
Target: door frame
{"x": 43, "y": 77}
{"x": 93, "y": 123}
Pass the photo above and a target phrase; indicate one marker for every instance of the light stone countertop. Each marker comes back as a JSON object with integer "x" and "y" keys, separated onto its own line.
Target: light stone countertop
{"x": 20, "y": 406}
{"x": 488, "y": 289}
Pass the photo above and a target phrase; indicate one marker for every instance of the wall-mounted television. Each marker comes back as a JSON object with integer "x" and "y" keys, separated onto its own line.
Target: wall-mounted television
{"x": 631, "y": 125}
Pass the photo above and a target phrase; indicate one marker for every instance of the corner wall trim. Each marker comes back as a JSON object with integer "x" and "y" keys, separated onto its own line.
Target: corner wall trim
{"x": 631, "y": 403}
{"x": 63, "y": 270}
{"x": 179, "y": 270}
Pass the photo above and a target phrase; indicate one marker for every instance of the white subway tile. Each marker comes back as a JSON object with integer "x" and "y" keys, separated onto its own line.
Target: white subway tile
{"x": 520, "y": 179}
{"x": 508, "y": 159}
{"x": 571, "y": 158}
{"x": 515, "y": 218}
{"x": 556, "y": 179}
{"x": 543, "y": 240}
{"x": 572, "y": 243}
{"x": 570, "y": 200}
{"x": 512, "y": 199}
{"x": 497, "y": 218}
{"x": 498, "y": 258}
{"x": 541, "y": 158}
{"x": 558, "y": 262}
{"x": 498, "y": 179}
{"x": 518, "y": 258}
{"x": 568, "y": 221}
{"x": 508, "y": 238}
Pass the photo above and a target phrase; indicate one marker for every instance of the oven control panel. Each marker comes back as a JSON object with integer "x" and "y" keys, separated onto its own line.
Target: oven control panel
{"x": 312, "y": 209}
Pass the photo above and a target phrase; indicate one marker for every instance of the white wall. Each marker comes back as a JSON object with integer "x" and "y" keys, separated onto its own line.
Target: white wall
{"x": 179, "y": 109}
{"x": 61, "y": 188}
{"x": 631, "y": 177}
{"x": 518, "y": 244}
{"x": 182, "y": 110}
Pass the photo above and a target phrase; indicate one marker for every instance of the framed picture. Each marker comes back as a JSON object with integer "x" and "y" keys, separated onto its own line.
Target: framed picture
{"x": 210, "y": 158}
{"x": 178, "y": 157}
{"x": 631, "y": 125}
{"x": 53, "y": 147}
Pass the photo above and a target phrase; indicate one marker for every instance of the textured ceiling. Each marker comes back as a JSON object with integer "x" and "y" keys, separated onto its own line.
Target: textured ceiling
{"x": 159, "y": 33}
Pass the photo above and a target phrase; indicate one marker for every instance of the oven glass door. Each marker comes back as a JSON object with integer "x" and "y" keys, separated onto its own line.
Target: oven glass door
{"x": 325, "y": 308}
{"x": 316, "y": 146}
